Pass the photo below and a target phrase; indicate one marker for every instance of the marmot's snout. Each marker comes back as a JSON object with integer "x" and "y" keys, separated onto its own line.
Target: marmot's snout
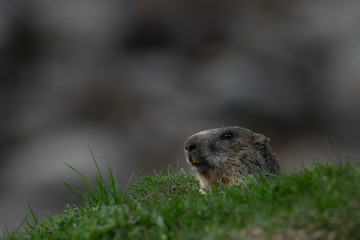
{"x": 194, "y": 155}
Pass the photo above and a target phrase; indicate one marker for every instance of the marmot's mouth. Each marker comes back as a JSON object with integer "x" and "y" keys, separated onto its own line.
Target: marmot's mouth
{"x": 197, "y": 162}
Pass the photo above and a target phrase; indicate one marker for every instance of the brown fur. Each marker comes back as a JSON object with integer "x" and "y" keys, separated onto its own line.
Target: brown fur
{"x": 221, "y": 155}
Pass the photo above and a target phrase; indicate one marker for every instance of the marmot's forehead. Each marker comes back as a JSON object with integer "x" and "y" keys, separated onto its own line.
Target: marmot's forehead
{"x": 224, "y": 129}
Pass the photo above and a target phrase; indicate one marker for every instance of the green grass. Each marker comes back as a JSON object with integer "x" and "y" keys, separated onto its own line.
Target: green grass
{"x": 320, "y": 202}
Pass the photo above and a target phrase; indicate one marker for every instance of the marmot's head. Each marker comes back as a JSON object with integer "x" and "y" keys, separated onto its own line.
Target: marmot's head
{"x": 222, "y": 153}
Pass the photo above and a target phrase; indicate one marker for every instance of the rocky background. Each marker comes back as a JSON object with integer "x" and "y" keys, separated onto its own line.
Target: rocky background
{"x": 136, "y": 78}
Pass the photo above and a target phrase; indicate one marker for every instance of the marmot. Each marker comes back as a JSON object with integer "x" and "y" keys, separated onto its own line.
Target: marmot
{"x": 224, "y": 154}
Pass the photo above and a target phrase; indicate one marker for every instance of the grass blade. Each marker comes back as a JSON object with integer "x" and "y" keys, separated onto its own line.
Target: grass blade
{"x": 73, "y": 191}
{"x": 97, "y": 166}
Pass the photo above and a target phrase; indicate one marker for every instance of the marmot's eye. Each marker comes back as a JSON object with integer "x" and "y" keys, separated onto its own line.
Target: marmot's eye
{"x": 227, "y": 136}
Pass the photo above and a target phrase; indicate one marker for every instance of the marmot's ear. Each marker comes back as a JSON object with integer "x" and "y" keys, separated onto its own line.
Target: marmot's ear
{"x": 260, "y": 140}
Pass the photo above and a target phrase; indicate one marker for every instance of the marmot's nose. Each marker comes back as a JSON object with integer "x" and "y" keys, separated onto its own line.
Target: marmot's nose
{"x": 190, "y": 147}
{"x": 190, "y": 144}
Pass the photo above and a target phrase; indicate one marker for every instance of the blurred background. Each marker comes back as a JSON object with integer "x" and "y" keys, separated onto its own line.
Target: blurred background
{"x": 136, "y": 78}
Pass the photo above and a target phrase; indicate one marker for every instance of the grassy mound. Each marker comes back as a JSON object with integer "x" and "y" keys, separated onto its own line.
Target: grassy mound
{"x": 321, "y": 202}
